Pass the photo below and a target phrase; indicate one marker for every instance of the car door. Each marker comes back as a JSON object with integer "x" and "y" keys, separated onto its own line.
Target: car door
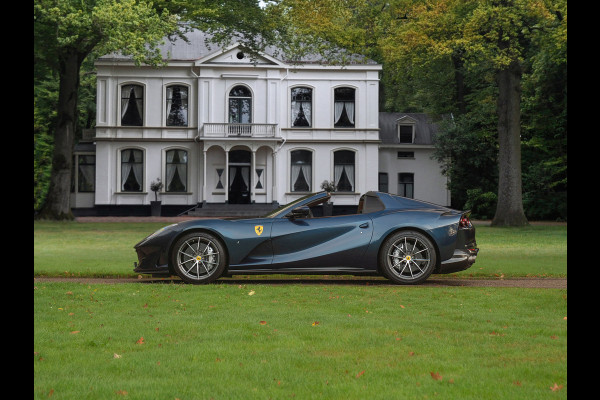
{"x": 338, "y": 241}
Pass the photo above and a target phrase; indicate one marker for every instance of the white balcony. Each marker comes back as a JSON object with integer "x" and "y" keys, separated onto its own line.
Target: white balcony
{"x": 217, "y": 130}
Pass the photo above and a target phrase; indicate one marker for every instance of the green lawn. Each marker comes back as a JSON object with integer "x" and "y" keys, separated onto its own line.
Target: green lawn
{"x": 295, "y": 341}
{"x": 100, "y": 249}
{"x": 303, "y": 341}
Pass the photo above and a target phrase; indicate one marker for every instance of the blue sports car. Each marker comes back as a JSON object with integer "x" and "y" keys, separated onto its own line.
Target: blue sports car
{"x": 403, "y": 239}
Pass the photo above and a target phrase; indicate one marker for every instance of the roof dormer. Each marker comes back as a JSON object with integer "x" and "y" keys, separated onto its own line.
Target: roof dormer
{"x": 406, "y": 129}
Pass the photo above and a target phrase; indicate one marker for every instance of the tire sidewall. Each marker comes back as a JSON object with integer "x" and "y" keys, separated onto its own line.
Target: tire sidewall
{"x": 384, "y": 262}
{"x": 222, "y": 257}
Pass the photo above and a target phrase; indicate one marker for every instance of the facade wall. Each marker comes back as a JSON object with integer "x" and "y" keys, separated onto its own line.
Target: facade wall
{"x": 429, "y": 183}
{"x": 270, "y": 82}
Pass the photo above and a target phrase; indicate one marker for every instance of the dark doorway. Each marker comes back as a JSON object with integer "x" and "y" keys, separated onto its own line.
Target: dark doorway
{"x": 239, "y": 177}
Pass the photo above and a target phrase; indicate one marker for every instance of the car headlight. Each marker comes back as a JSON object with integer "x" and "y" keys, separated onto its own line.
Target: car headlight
{"x": 161, "y": 230}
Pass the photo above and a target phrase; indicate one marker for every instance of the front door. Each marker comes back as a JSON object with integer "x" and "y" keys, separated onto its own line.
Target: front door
{"x": 239, "y": 184}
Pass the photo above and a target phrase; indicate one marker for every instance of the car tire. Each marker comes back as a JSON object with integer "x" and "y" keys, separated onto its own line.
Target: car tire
{"x": 407, "y": 257}
{"x": 198, "y": 257}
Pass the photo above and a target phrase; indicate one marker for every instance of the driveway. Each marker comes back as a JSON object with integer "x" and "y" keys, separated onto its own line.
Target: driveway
{"x": 542, "y": 283}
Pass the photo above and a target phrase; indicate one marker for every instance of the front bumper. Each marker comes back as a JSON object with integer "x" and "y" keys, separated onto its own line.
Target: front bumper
{"x": 152, "y": 252}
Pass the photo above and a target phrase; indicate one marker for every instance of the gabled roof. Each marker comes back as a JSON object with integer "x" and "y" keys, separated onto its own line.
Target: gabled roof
{"x": 425, "y": 127}
{"x": 200, "y": 48}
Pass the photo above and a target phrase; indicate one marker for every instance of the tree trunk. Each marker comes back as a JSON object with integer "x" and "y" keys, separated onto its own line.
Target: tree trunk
{"x": 509, "y": 211}
{"x": 58, "y": 205}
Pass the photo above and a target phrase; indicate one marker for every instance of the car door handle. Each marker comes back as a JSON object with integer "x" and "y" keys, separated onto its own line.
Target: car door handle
{"x": 365, "y": 225}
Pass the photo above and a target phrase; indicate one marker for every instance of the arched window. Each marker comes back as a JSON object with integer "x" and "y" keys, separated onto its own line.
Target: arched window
{"x": 132, "y": 105}
{"x": 240, "y": 105}
{"x": 176, "y": 170}
{"x": 301, "y": 106}
{"x": 301, "y": 170}
{"x": 177, "y": 105}
{"x": 132, "y": 168}
{"x": 343, "y": 107}
{"x": 343, "y": 170}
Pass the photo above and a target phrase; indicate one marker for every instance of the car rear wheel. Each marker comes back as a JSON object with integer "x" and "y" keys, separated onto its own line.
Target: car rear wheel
{"x": 198, "y": 257}
{"x": 407, "y": 257}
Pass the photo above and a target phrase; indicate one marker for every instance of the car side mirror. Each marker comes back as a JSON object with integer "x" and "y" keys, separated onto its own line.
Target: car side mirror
{"x": 299, "y": 212}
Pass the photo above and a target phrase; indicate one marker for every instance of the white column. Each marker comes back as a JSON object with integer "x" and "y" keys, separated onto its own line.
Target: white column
{"x": 226, "y": 176}
{"x": 252, "y": 183}
{"x": 204, "y": 178}
{"x": 274, "y": 195}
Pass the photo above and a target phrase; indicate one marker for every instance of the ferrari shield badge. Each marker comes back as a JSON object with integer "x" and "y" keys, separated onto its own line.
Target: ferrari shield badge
{"x": 258, "y": 229}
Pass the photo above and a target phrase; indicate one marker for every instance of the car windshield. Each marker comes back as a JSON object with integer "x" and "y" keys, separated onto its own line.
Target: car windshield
{"x": 287, "y": 207}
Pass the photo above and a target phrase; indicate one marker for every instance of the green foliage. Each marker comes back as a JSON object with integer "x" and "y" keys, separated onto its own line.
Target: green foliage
{"x": 482, "y": 205}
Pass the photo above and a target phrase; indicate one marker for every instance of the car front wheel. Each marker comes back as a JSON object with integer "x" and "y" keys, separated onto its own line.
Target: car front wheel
{"x": 407, "y": 257}
{"x": 198, "y": 257}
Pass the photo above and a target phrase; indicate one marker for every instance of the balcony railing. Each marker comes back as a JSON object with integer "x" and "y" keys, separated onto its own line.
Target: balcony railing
{"x": 238, "y": 130}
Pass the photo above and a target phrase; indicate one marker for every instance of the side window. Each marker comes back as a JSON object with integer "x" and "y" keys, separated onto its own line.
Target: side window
{"x": 177, "y": 105}
{"x": 343, "y": 107}
{"x": 301, "y": 106}
{"x": 132, "y": 105}
{"x": 132, "y": 168}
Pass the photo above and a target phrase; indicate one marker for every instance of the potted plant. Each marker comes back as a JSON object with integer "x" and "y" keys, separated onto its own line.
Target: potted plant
{"x": 155, "y": 206}
{"x": 329, "y": 187}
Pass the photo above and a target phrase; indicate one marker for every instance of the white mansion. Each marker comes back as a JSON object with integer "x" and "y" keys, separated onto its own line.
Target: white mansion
{"x": 216, "y": 126}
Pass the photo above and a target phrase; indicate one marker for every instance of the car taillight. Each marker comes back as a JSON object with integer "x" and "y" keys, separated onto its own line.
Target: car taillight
{"x": 464, "y": 222}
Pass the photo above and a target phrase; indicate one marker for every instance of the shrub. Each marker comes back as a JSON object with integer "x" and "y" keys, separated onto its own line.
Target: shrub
{"x": 482, "y": 205}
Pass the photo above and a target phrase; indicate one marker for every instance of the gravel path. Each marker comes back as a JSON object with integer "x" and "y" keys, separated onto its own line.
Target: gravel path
{"x": 543, "y": 283}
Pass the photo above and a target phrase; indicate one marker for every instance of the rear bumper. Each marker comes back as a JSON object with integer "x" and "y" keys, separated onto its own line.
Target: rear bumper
{"x": 460, "y": 260}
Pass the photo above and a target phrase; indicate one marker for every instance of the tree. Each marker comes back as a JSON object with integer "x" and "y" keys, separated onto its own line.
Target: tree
{"x": 485, "y": 35}
{"x": 65, "y": 33}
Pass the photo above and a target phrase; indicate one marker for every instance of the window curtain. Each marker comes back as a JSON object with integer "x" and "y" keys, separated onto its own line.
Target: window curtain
{"x": 176, "y": 162}
{"x": 338, "y": 108}
{"x": 350, "y": 111}
{"x": 231, "y": 176}
{"x": 177, "y": 106}
{"x": 169, "y": 100}
{"x": 295, "y": 173}
{"x": 133, "y": 99}
{"x": 245, "y": 176}
{"x": 306, "y": 172}
{"x": 125, "y": 170}
{"x": 133, "y": 162}
{"x": 301, "y": 113}
{"x": 350, "y": 174}
{"x": 338, "y": 171}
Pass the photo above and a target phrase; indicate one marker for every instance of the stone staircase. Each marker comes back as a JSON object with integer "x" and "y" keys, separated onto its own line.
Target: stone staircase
{"x": 231, "y": 210}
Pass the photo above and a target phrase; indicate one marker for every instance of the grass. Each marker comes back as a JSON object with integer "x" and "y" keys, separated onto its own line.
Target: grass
{"x": 298, "y": 341}
{"x": 260, "y": 341}
{"x": 106, "y": 249}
